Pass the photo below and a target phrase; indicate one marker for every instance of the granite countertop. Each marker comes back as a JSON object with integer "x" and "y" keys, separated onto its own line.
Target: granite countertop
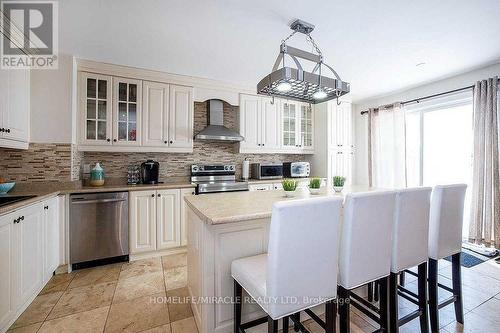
{"x": 45, "y": 190}
{"x": 219, "y": 208}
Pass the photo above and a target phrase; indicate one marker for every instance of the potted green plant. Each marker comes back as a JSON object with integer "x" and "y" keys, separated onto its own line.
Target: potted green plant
{"x": 338, "y": 183}
{"x": 314, "y": 185}
{"x": 289, "y": 186}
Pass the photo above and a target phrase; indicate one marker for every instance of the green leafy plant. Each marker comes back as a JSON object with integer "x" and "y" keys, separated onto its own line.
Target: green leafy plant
{"x": 338, "y": 181}
{"x": 289, "y": 184}
{"x": 315, "y": 183}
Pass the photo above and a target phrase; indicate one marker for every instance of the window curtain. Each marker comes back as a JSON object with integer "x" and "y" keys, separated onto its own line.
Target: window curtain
{"x": 484, "y": 225}
{"x": 386, "y": 146}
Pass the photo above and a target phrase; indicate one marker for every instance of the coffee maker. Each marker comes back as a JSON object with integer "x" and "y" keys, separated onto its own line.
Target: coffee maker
{"x": 150, "y": 171}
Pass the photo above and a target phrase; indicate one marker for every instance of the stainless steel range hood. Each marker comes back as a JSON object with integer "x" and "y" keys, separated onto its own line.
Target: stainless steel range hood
{"x": 215, "y": 130}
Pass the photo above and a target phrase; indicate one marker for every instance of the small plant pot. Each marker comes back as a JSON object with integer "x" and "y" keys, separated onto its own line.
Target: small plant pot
{"x": 289, "y": 194}
{"x": 338, "y": 189}
{"x": 314, "y": 191}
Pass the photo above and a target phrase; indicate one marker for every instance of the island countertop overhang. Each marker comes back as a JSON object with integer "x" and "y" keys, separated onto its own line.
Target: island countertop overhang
{"x": 230, "y": 207}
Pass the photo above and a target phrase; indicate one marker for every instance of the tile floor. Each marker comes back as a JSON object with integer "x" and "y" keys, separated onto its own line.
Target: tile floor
{"x": 119, "y": 298}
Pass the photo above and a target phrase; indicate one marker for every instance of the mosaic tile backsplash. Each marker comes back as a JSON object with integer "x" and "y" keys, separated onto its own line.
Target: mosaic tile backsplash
{"x": 41, "y": 162}
{"x": 62, "y": 162}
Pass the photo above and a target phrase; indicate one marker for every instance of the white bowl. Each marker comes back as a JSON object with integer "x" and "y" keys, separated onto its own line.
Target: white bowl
{"x": 314, "y": 191}
{"x": 338, "y": 188}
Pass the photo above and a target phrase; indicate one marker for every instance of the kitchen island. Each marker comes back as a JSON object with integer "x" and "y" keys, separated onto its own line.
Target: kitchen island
{"x": 223, "y": 227}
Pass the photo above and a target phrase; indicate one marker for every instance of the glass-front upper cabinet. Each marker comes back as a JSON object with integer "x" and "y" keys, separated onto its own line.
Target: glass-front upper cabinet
{"x": 306, "y": 126}
{"x": 95, "y": 102}
{"x": 127, "y": 112}
{"x": 289, "y": 123}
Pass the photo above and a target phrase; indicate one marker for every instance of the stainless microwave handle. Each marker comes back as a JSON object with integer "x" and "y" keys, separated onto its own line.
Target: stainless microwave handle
{"x": 96, "y": 201}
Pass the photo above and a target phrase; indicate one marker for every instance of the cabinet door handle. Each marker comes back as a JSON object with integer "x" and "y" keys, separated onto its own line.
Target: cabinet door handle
{"x": 109, "y": 140}
{"x": 114, "y": 140}
{"x": 171, "y": 141}
{"x": 2, "y": 129}
{"x": 22, "y": 218}
{"x": 153, "y": 195}
{"x": 159, "y": 195}
{"x": 7, "y": 130}
{"x": 166, "y": 142}
{"x": 45, "y": 207}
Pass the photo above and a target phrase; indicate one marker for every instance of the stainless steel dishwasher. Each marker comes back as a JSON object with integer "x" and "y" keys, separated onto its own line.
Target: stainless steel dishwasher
{"x": 98, "y": 228}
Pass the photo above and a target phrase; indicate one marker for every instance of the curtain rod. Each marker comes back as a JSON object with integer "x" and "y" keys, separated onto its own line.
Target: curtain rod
{"x": 430, "y": 96}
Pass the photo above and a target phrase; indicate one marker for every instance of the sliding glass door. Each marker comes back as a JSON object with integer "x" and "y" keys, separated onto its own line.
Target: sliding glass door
{"x": 439, "y": 144}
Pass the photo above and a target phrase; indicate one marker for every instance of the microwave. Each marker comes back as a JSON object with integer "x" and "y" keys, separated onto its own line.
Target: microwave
{"x": 296, "y": 169}
{"x": 266, "y": 171}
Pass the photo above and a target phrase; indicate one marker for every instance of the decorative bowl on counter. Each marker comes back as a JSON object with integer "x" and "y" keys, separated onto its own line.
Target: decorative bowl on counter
{"x": 6, "y": 187}
{"x": 338, "y": 183}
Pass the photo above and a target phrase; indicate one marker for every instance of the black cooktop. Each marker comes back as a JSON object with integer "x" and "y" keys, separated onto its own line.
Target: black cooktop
{"x": 9, "y": 199}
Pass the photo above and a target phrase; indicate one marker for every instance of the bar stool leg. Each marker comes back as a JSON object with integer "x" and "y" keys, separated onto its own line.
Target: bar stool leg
{"x": 297, "y": 319}
{"x": 344, "y": 301}
{"x": 433, "y": 295}
{"x": 376, "y": 291}
{"x": 422, "y": 297}
{"x": 384, "y": 304}
{"x": 272, "y": 325}
{"x": 456, "y": 275}
{"x": 370, "y": 291}
{"x": 393, "y": 302}
{"x": 330, "y": 316}
{"x": 238, "y": 291}
{"x": 402, "y": 278}
{"x": 285, "y": 324}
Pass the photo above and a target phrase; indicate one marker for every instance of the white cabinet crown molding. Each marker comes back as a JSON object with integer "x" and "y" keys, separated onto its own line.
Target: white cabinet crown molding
{"x": 203, "y": 88}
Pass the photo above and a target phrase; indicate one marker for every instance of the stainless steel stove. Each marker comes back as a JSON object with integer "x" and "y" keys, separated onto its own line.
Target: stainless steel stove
{"x": 216, "y": 178}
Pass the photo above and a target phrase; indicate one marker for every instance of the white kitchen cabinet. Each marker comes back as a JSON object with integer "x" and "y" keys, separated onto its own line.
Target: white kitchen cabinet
{"x": 155, "y": 110}
{"x": 250, "y": 109}
{"x": 120, "y": 114}
{"x": 277, "y": 186}
{"x": 51, "y": 236}
{"x": 96, "y": 125}
{"x": 184, "y": 231}
{"x": 28, "y": 254}
{"x": 168, "y": 231}
{"x": 180, "y": 121}
{"x": 341, "y": 125}
{"x": 297, "y": 121}
{"x": 14, "y": 108}
{"x": 142, "y": 219}
{"x": 306, "y": 128}
{"x": 260, "y": 187}
{"x": 259, "y": 124}
{"x": 7, "y": 306}
{"x": 155, "y": 222}
{"x": 127, "y": 103}
{"x": 334, "y": 149}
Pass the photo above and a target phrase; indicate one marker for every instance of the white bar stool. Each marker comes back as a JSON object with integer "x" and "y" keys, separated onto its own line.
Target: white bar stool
{"x": 365, "y": 253}
{"x": 300, "y": 269}
{"x": 410, "y": 236}
{"x": 445, "y": 239}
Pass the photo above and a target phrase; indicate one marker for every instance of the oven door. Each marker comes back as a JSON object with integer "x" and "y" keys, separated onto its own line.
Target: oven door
{"x": 271, "y": 171}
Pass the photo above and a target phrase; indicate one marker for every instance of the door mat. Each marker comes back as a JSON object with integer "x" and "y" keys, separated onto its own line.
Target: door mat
{"x": 470, "y": 260}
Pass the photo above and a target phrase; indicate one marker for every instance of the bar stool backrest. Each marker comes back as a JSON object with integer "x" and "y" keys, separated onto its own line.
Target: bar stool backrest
{"x": 410, "y": 232}
{"x": 366, "y": 238}
{"x": 446, "y": 220}
{"x": 302, "y": 254}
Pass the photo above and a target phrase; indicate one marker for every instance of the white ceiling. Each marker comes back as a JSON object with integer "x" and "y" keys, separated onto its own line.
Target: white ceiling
{"x": 374, "y": 45}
